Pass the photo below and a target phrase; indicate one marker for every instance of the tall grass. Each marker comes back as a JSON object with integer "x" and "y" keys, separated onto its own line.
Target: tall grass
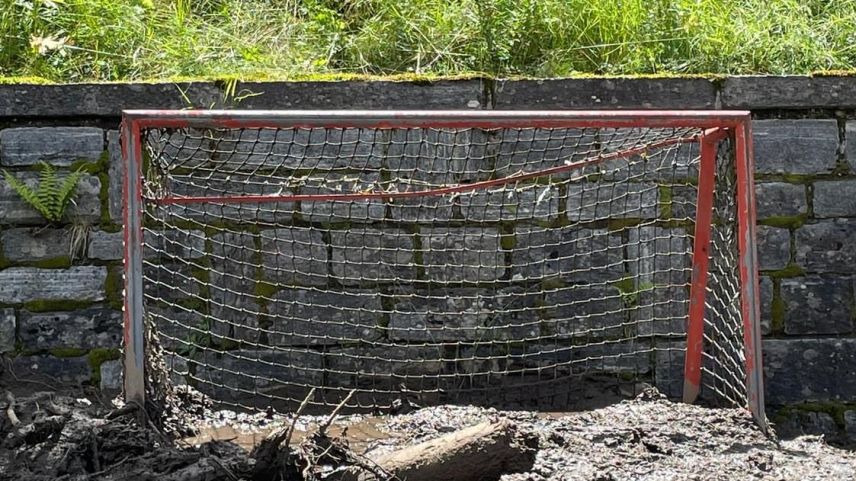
{"x": 73, "y": 40}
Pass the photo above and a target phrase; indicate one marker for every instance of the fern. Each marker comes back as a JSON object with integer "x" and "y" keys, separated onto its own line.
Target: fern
{"x": 52, "y": 196}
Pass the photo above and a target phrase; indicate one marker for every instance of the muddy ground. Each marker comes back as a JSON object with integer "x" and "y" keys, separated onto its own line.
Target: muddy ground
{"x": 75, "y": 435}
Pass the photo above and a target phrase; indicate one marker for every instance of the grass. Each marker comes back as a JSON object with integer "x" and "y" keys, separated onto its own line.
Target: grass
{"x": 83, "y": 40}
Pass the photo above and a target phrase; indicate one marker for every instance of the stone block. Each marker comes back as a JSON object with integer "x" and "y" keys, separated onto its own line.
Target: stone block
{"x": 361, "y": 256}
{"x": 594, "y": 201}
{"x": 850, "y": 424}
{"x": 74, "y": 370}
{"x": 327, "y": 211}
{"x": 231, "y": 286}
{"x": 246, "y": 373}
{"x": 115, "y": 177}
{"x": 171, "y": 283}
{"x": 389, "y": 367}
{"x": 669, "y": 370}
{"x": 456, "y": 255}
{"x": 606, "y": 93}
{"x": 307, "y": 317}
{"x": 818, "y": 305}
{"x": 178, "y": 244}
{"x": 8, "y": 327}
{"x": 86, "y": 207}
{"x": 180, "y": 328}
{"x": 795, "y": 146}
{"x": 774, "y": 247}
{"x": 464, "y": 315}
{"x": 539, "y": 203}
{"x": 35, "y": 244}
{"x": 800, "y": 423}
{"x": 659, "y": 265}
{"x": 423, "y": 158}
{"x": 835, "y": 198}
{"x": 55, "y": 145}
{"x": 106, "y": 246}
{"x": 775, "y": 199}
{"x": 80, "y": 283}
{"x": 570, "y": 253}
{"x": 97, "y": 327}
{"x": 294, "y": 256}
{"x": 584, "y": 312}
{"x": 788, "y": 92}
{"x": 428, "y": 209}
{"x": 827, "y": 246}
{"x": 801, "y": 370}
{"x": 529, "y": 150}
{"x": 267, "y": 211}
{"x": 766, "y": 298}
{"x": 111, "y": 375}
{"x": 248, "y": 150}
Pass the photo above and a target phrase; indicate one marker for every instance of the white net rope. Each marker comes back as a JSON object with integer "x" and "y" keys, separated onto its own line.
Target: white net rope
{"x": 521, "y": 286}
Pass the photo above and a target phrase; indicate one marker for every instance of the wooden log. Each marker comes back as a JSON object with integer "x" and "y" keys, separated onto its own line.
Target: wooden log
{"x": 481, "y": 452}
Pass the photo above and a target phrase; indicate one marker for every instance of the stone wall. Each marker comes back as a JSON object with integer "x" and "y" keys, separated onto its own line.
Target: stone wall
{"x": 60, "y": 292}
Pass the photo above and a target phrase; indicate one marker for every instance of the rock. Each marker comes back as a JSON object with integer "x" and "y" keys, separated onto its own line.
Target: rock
{"x": 106, "y": 246}
{"x": 570, "y": 253}
{"x": 763, "y": 92}
{"x": 372, "y": 256}
{"x": 599, "y": 93}
{"x": 111, "y": 375}
{"x": 594, "y": 201}
{"x": 775, "y": 199}
{"x": 306, "y": 317}
{"x": 294, "y": 256}
{"x": 456, "y": 255}
{"x": 177, "y": 244}
{"x": 658, "y": 261}
{"x": 795, "y": 146}
{"x": 835, "y": 198}
{"x": 35, "y": 244}
{"x": 818, "y": 305}
{"x": 86, "y": 207}
{"x": 774, "y": 247}
{"x": 766, "y": 298}
{"x": 79, "y": 283}
{"x": 584, "y": 312}
{"x": 850, "y": 424}
{"x": 97, "y": 327}
{"x": 115, "y": 177}
{"x": 243, "y": 374}
{"x": 8, "y": 327}
{"x": 327, "y": 211}
{"x": 464, "y": 315}
{"x": 804, "y": 370}
{"x": 827, "y": 246}
{"x": 56, "y": 145}
{"x": 807, "y": 422}
{"x": 534, "y": 203}
{"x": 65, "y": 369}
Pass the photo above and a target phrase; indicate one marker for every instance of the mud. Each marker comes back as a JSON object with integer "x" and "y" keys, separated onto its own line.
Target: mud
{"x": 72, "y": 436}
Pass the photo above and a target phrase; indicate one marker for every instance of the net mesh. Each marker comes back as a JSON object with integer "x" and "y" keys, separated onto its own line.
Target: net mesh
{"x": 520, "y": 267}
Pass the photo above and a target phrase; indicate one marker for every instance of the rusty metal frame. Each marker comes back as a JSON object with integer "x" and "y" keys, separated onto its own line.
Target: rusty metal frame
{"x": 717, "y": 125}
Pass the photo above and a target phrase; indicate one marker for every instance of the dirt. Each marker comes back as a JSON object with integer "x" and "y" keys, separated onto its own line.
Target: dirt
{"x": 77, "y": 436}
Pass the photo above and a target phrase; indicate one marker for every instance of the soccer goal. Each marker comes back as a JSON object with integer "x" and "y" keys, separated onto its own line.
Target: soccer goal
{"x": 543, "y": 260}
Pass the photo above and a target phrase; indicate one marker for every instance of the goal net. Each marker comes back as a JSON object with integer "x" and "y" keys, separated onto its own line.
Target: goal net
{"x": 524, "y": 260}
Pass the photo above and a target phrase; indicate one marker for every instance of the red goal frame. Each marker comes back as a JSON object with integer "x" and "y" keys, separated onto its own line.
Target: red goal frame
{"x": 716, "y": 126}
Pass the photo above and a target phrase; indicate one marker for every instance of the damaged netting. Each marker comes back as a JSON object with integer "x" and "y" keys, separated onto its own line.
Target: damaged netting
{"x": 544, "y": 268}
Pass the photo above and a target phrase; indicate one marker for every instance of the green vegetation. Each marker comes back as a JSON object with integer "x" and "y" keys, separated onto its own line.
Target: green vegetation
{"x": 52, "y": 195}
{"x": 81, "y": 40}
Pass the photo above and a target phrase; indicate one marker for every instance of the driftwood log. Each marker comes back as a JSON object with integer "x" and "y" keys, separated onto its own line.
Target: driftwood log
{"x": 477, "y": 453}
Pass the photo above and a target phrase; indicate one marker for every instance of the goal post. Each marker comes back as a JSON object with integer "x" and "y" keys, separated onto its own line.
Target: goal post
{"x": 442, "y": 256}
